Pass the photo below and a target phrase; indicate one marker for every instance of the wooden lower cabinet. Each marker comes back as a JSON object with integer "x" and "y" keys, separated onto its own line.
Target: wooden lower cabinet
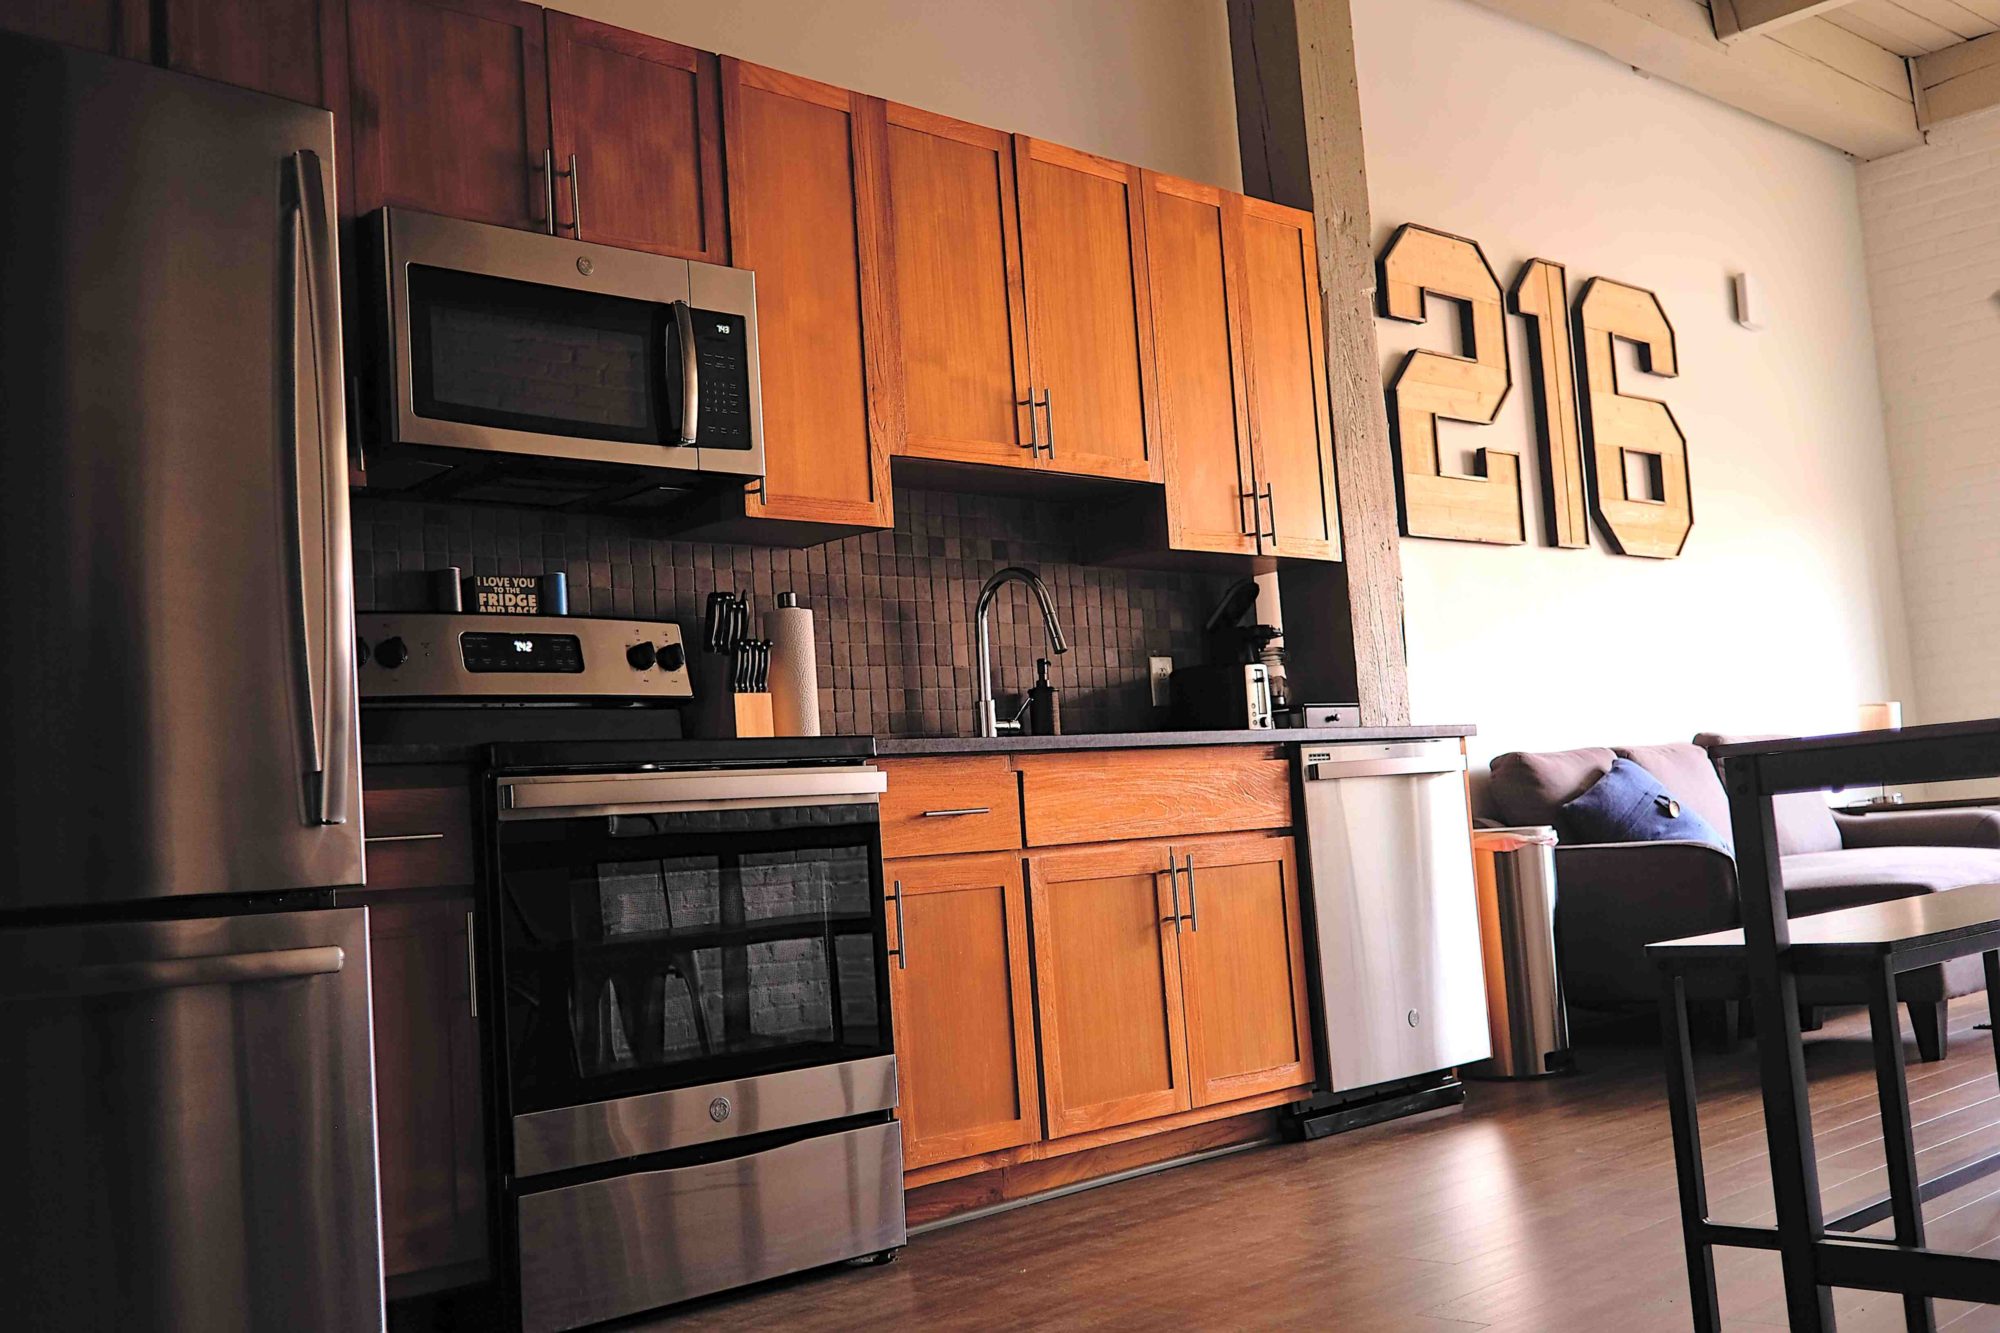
{"x": 963, "y": 1006}
{"x": 1108, "y": 986}
{"x": 1243, "y": 979}
{"x": 429, "y": 1130}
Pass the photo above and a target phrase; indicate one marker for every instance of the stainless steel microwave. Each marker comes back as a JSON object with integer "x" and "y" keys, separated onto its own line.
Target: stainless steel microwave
{"x": 514, "y": 345}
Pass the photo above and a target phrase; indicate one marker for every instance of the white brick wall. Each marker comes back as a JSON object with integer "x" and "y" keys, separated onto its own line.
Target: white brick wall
{"x": 1931, "y": 223}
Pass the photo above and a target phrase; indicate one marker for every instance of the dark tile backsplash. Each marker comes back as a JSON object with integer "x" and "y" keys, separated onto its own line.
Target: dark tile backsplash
{"x": 892, "y": 610}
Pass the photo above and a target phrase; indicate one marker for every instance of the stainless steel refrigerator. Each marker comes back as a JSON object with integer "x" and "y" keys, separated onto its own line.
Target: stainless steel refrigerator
{"x": 188, "y": 1105}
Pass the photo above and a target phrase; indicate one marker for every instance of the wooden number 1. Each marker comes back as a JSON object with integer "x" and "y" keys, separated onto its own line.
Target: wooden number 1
{"x": 1485, "y": 507}
{"x": 1541, "y": 296}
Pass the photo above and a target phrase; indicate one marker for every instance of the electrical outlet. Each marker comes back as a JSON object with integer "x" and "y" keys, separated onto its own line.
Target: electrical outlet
{"x": 1159, "y": 670}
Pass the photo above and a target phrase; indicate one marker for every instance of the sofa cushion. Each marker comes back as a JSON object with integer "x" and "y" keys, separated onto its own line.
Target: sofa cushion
{"x": 1823, "y": 881}
{"x": 1805, "y": 823}
{"x": 1687, "y": 772}
{"x": 1532, "y": 788}
{"x": 1629, "y": 804}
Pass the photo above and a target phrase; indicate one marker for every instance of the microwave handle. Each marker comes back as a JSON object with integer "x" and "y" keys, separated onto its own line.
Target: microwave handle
{"x": 690, "y": 373}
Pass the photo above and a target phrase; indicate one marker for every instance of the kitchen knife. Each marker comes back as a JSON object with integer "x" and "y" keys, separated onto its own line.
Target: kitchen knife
{"x": 718, "y": 603}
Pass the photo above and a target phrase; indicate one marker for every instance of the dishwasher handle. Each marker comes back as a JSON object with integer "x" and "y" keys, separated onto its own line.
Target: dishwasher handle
{"x": 1381, "y": 761}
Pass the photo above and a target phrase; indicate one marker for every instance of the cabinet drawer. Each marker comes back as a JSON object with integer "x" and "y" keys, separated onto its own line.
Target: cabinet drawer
{"x": 969, "y": 803}
{"x": 1090, "y": 797}
{"x": 417, "y": 837}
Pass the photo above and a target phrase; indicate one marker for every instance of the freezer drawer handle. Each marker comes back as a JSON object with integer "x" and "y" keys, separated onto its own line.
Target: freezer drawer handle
{"x": 223, "y": 969}
{"x": 404, "y": 837}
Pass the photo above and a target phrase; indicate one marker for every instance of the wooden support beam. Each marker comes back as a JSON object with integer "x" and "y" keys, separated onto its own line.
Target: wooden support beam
{"x": 1957, "y": 81}
{"x": 1298, "y": 117}
{"x": 1749, "y": 18}
{"x": 1810, "y": 76}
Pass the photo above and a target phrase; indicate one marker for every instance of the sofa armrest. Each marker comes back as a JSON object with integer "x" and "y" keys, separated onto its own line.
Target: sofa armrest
{"x": 1921, "y": 828}
{"x": 1613, "y": 899}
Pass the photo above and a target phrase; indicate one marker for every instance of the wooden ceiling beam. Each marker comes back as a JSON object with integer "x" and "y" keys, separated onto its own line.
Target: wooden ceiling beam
{"x": 1957, "y": 81}
{"x": 1736, "y": 19}
{"x": 1761, "y": 74}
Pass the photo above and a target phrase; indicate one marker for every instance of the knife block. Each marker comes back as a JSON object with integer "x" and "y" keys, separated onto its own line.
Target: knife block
{"x": 719, "y": 713}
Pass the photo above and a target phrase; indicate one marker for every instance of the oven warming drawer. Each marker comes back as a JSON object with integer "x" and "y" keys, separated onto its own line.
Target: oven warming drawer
{"x": 573, "y": 1136}
{"x": 615, "y": 1247}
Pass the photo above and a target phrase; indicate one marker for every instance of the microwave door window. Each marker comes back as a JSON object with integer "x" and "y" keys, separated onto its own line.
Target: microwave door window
{"x": 525, "y": 356}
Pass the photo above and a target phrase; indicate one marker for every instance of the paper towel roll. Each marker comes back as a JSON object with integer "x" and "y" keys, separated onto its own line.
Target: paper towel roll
{"x": 794, "y": 676}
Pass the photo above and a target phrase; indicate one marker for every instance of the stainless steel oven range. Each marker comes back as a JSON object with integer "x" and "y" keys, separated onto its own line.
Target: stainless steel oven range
{"x": 682, "y": 966}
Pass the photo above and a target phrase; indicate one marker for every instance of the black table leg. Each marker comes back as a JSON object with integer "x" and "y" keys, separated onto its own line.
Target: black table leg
{"x": 1899, "y": 1149}
{"x": 1679, "y": 1053}
{"x": 1992, "y": 961}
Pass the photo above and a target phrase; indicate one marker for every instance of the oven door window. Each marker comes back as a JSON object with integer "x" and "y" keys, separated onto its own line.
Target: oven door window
{"x": 653, "y": 951}
{"x": 526, "y": 356}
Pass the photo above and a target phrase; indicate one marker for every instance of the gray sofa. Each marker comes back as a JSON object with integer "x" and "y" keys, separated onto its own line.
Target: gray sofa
{"x": 1615, "y": 898}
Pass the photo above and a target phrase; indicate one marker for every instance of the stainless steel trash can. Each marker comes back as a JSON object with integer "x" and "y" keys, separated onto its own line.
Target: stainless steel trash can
{"x": 1517, "y": 916}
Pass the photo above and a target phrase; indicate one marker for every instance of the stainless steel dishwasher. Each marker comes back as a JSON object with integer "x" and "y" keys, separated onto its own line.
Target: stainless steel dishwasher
{"x": 1395, "y": 915}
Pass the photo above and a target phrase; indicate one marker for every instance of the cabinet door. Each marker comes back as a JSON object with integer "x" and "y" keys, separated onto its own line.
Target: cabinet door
{"x": 431, "y": 1138}
{"x": 1243, "y": 968}
{"x": 450, "y": 109}
{"x": 964, "y": 1010}
{"x": 642, "y": 120}
{"x": 1107, "y": 987}
{"x": 1090, "y": 327}
{"x": 1191, "y": 249}
{"x": 958, "y": 290}
{"x": 808, "y": 212}
{"x": 1289, "y": 417}
{"x": 115, "y": 27}
{"x": 289, "y": 48}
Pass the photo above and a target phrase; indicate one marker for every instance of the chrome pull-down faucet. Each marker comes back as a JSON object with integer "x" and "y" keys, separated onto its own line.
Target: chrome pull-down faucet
{"x": 989, "y": 719}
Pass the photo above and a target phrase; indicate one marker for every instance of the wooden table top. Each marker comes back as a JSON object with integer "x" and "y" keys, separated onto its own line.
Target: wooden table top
{"x": 1968, "y": 917}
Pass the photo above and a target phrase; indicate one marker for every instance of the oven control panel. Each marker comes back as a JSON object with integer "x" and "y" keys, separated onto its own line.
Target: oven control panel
{"x": 423, "y": 655}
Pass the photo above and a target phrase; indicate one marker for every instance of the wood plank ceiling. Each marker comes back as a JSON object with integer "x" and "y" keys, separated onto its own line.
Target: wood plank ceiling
{"x": 1867, "y": 76}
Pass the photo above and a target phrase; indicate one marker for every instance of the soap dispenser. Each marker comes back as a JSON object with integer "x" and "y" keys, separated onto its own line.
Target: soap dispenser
{"x": 1044, "y": 708}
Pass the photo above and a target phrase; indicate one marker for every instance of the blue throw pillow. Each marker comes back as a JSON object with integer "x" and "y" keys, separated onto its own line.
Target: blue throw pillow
{"x": 1628, "y": 804}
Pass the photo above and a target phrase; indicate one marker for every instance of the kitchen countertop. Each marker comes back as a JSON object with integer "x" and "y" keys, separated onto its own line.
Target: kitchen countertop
{"x": 887, "y": 746}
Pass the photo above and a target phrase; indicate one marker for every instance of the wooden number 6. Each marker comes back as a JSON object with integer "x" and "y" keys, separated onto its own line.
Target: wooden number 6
{"x": 1616, "y": 424}
{"x": 1485, "y": 507}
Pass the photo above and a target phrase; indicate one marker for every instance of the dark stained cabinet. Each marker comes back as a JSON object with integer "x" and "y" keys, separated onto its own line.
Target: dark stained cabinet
{"x": 115, "y": 27}
{"x": 288, "y": 48}
{"x": 636, "y": 126}
{"x": 450, "y": 109}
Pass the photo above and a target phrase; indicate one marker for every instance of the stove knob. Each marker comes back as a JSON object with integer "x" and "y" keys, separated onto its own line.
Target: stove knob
{"x": 640, "y": 655}
{"x": 392, "y": 652}
{"x": 672, "y": 656}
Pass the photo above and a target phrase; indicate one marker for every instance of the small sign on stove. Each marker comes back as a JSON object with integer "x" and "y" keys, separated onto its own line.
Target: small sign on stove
{"x": 504, "y": 594}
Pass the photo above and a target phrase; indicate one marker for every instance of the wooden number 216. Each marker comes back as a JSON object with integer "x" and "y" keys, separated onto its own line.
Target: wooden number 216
{"x": 1586, "y": 426}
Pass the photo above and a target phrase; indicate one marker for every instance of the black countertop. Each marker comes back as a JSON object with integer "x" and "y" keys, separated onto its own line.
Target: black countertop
{"x": 1148, "y": 740}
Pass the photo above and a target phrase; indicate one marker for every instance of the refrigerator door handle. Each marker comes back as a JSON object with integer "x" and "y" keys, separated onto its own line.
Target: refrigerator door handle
{"x": 226, "y": 969}
{"x": 332, "y": 738}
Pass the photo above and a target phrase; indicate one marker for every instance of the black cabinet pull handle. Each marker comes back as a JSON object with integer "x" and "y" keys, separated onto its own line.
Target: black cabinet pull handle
{"x": 902, "y": 941}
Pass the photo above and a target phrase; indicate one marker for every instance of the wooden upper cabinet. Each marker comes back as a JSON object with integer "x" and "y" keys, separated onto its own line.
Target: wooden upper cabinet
{"x": 1108, "y": 987}
{"x": 963, "y": 1006}
{"x": 639, "y": 120}
{"x": 808, "y": 212}
{"x": 1290, "y": 421}
{"x": 1192, "y": 247}
{"x": 1243, "y": 978}
{"x": 958, "y": 285}
{"x": 1090, "y": 326}
{"x": 450, "y": 109}
{"x": 289, "y": 48}
{"x": 114, "y": 27}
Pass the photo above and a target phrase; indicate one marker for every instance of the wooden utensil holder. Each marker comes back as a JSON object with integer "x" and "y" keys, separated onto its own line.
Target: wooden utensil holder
{"x": 720, "y": 713}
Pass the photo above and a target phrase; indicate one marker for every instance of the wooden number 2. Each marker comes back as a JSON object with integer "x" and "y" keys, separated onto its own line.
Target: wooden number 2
{"x": 1485, "y": 507}
{"x": 1615, "y": 424}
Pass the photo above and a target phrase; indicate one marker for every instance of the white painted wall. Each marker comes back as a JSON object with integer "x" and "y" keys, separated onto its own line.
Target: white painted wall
{"x": 1932, "y": 221}
{"x": 1785, "y": 611}
{"x": 1143, "y": 81}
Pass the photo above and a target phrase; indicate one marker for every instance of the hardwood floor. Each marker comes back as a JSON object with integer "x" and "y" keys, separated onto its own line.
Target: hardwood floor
{"x": 1537, "y": 1207}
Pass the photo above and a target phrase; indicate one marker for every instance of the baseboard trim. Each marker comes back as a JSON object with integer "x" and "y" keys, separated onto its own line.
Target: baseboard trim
{"x": 1078, "y": 1187}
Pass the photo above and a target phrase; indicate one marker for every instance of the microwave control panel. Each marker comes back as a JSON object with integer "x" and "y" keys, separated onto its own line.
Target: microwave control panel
{"x": 722, "y": 354}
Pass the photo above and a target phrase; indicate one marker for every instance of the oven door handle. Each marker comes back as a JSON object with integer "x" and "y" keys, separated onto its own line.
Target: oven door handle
{"x": 690, "y": 373}
{"x": 570, "y": 796}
